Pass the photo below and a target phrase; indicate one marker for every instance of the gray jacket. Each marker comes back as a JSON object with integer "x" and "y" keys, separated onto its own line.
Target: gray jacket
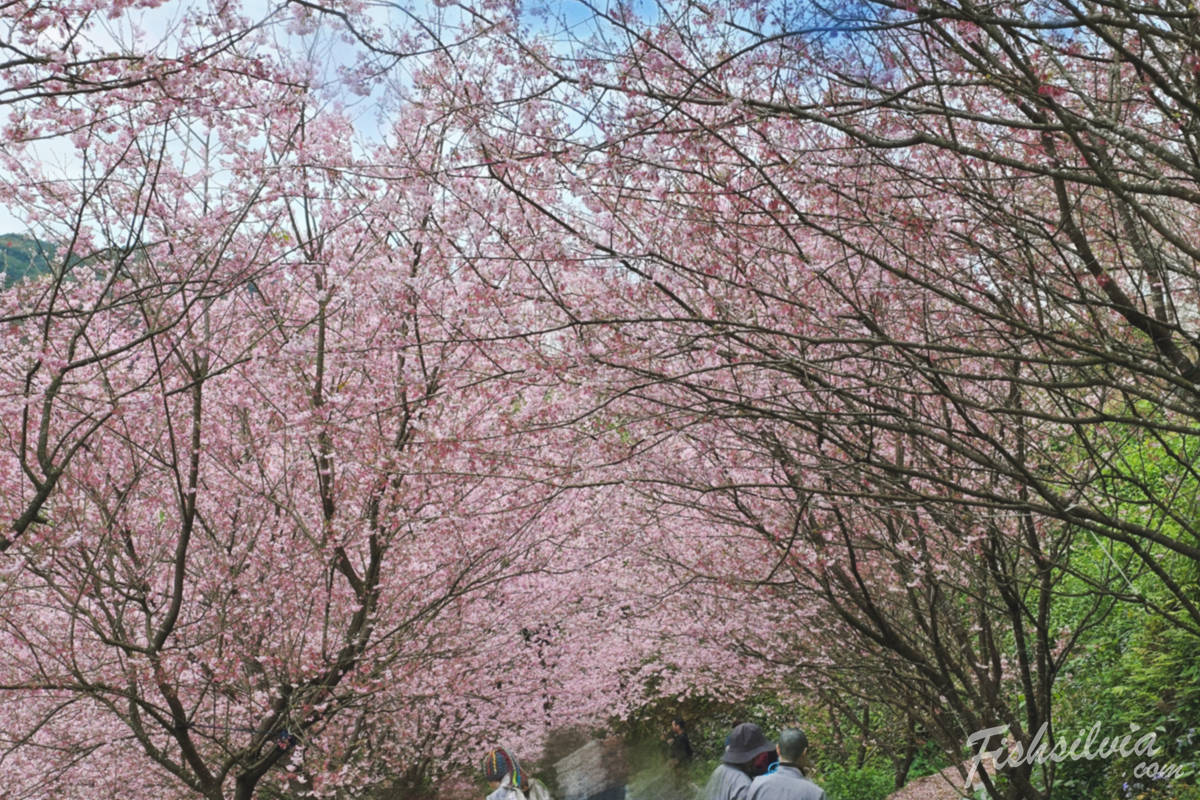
{"x": 727, "y": 783}
{"x": 785, "y": 783}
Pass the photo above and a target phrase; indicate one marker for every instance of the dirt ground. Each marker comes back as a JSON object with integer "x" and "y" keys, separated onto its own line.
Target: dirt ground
{"x": 945, "y": 785}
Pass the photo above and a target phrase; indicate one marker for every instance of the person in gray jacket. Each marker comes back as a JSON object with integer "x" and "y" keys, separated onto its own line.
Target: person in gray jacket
{"x": 788, "y": 781}
{"x": 731, "y": 779}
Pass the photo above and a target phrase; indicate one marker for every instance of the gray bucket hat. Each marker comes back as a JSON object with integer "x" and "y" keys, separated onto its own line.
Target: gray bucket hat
{"x": 746, "y": 742}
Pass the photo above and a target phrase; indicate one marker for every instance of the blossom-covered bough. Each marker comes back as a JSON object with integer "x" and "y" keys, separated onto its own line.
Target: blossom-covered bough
{"x": 690, "y": 350}
{"x": 912, "y": 287}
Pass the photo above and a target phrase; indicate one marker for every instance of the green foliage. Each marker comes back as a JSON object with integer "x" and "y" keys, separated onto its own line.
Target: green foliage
{"x": 930, "y": 759}
{"x": 1136, "y": 670}
{"x": 869, "y": 782}
{"x": 22, "y": 257}
{"x": 1135, "y": 664}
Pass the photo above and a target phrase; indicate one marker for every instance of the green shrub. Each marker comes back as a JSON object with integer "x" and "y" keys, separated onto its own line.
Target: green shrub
{"x": 870, "y": 782}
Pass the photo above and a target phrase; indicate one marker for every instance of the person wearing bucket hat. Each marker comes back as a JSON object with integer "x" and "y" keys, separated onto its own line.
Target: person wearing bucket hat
{"x": 788, "y": 781}
{"x": 731, "y": 779}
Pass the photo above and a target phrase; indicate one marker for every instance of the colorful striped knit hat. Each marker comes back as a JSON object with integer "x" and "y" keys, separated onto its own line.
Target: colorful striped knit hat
{"x": 498, "y": 763}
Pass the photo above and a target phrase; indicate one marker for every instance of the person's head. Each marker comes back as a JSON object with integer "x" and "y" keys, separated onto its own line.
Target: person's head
{"x": 761, "y": 763}
{"x": 499, "y": 764}
{"x": 745, "y": 744}
{"x": 677, "y": 725}
{"x": 792, "y": 746}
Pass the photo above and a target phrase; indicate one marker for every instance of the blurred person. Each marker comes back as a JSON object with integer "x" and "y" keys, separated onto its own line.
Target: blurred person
{"x": 679, "y": 747}
{"x": 509, "y": 780}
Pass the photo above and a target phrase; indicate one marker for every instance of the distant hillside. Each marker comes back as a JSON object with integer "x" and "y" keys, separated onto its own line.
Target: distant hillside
{"x": 22, "y": 257}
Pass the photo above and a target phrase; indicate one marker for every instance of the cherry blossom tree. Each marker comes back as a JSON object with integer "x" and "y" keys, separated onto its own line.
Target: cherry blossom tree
{"x": 262, "y": 460}
{"x": 703, "y": 348}
{"x": 1015, "y": 177}
{"x": 305, "y": 497}
{"x": 59, "y": 64}
{"x": 923, "y": 269}
{"x": 92, "y": 100}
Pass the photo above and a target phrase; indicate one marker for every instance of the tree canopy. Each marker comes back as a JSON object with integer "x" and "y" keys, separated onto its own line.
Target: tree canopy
{"x": 445, "y": 375}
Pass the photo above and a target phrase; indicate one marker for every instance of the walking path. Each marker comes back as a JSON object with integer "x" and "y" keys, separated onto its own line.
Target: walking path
{"x": 944, "y": 785}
